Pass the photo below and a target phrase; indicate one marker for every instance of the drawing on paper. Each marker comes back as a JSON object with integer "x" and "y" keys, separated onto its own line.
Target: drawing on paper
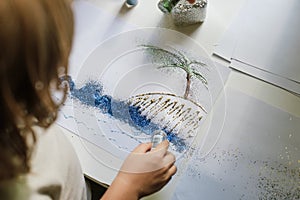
{"x": 176, "y": 114}
{"x": 176, "y": 59}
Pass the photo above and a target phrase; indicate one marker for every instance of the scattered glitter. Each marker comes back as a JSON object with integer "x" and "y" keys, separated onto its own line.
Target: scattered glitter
{"x": 278, "y": 181}
{"x": 281, "y": 157}
{"x": 270, "y": 179}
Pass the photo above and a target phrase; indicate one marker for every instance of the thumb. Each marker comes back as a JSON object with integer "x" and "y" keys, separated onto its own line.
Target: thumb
{"x": 163, "y": 145}
{"x": 143, "y": 148}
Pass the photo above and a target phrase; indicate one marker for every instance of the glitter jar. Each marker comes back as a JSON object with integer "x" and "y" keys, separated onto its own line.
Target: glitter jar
{"x": 157, "y": 137}
{"x": 185, "y": 13}
{"x": 167, "y": 5}
{"x": 131, "y": 3}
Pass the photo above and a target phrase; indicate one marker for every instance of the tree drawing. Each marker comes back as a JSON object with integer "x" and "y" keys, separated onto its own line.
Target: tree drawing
{"x": 176, "y": 59}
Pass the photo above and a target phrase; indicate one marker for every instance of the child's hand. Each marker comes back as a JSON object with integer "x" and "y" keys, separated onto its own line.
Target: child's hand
{"x": 143, "y": 172}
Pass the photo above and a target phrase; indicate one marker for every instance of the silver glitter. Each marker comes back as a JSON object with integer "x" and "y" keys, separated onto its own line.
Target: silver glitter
{"x": 185, "y": 13}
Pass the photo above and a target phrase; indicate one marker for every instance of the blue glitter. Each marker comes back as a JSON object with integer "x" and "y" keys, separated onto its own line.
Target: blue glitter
{"x": 137, "y": 118}
{"x": 103, "y": 102}
{"x": 91, "y": 94}
{"x": 179, "y": 142}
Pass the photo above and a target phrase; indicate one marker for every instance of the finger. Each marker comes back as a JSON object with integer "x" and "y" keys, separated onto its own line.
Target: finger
{"x": 172, "y": 170}
{"x": 161, "y": 151}
{"x": 143, "y": 148}
{"x": 171, "y": 173}
{"x": 163, "y": 145}
{"x": 169, "y": 159}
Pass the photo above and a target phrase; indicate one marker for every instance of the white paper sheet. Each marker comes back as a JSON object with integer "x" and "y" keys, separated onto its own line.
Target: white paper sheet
{"x": 256, "y": 157}
{"x": 274, "y": 79}
{"x": 92, "y": 27}
{"x": 122, "y": 70}
{"x": 227, "y": 43}
{"x": 264, "y": 35}
{"x": 269, "y": 38}
{"x": 90, "y": 23}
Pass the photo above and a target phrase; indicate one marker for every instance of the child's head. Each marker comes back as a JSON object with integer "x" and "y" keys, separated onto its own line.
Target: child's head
{"x": 35, "y": 42}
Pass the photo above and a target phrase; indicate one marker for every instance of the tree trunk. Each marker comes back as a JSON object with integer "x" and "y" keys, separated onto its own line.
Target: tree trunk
{"x": 188, "y": 86}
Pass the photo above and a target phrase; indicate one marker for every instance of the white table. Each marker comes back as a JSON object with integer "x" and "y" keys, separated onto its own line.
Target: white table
{"x": 219, "y": 15}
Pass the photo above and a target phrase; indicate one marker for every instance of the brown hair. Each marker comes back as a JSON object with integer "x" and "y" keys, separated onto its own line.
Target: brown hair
{"x": 35, "y": 42}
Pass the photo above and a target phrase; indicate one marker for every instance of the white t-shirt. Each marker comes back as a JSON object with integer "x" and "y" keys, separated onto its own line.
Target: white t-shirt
{"x": 55, "y": 170}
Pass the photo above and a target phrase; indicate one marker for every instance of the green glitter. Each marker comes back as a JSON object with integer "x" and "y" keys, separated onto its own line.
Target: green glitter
{"x": 176, "y": 59}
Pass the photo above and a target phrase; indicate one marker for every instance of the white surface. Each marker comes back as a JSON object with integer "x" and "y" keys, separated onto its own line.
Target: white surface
{"x": 125, "y": 71}
{"x": 228, "y": 40}
{"x": 269, "y": 37}
{"x": 89, "y": 33}
{"x": 272, "y": 78}
{"x": 263, "y": 42}
{"x": 92, "y": 27}
{"x": 146, "y": 14}
{"x": 252, "y": 152}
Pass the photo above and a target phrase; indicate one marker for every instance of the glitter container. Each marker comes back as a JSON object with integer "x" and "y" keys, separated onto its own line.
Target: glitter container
{"x": 185, "y": 13}
{"x": 157, "y": 137}
{"x": 167, "y": 5}
{"x": 131, "y": 3}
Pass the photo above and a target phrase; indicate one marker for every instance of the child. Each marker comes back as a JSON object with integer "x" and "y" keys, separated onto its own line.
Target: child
{"x": 36, "y": 160}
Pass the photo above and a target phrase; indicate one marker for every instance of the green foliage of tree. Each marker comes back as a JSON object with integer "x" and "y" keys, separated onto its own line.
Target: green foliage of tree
{"x": 175, "y": 59}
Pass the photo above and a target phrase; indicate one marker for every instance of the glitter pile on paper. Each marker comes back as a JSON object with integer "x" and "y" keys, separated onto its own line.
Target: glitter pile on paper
{"x": 91, "y": 94}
